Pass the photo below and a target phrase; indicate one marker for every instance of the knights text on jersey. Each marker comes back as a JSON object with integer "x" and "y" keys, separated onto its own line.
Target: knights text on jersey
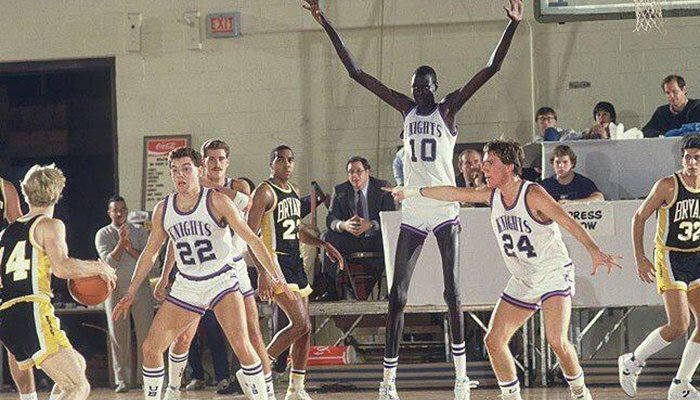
{"x": 428, "y": 151}
{"x": 530, "y": 248}
{"x": 24, "y": 267}
{"x": 678, "y": 226}
{"x": 202, "y": 244}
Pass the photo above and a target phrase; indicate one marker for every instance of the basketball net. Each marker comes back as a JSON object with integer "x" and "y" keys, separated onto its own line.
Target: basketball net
{"x": 649, "y": 16}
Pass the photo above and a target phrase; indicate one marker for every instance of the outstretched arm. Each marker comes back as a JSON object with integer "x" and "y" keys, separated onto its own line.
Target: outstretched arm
{"x": 12, "y": 206}
{"x": 546, "y": 208}
{"x": 456, "y": 100}
{"x": 444, "y": 193}
{"x": 399, "y": 101}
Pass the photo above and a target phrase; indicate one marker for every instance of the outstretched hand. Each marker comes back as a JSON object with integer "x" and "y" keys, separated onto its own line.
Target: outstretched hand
{"x": 515, "y": 12}
{"x": 397, "y": 192}
{"x": 315, "y": 9}
{"x": 603, "y": 259}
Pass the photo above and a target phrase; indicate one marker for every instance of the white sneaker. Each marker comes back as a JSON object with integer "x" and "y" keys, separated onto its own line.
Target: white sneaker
{"x": 512, "y": 396}
{"x": 271, "y": 396}
{"x": 388, "y": 392}
{"x": 297, "y": 394}
{"x": 584, "y": 395}
{"x": 240, "y": 376}
{"x": 463, "y": 388}
{"x": 171, "y": 394}
{"x": 682, "y": 390}
{"x": 629, "y": 371}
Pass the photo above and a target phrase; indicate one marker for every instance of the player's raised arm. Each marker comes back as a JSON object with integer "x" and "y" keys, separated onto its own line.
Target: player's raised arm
{"x": 547, "y": 209}
{"x": 145, "y": 262}
{"x": 444, "y": 193}
{"x": 662, "y": 193}
{"x": 399, "y": 101}
{"x": 456, "y": 100}
{"x": 12, "y": 205}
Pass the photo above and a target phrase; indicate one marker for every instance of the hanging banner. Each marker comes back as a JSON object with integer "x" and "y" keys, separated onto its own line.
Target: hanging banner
{"x": 156, "y": 172}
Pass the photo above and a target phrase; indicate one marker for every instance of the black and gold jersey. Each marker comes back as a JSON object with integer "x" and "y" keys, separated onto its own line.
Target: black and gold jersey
{"x": 280, "y": 225}
{"x": 678, "y": 226}
{"x": 24, "y": 267}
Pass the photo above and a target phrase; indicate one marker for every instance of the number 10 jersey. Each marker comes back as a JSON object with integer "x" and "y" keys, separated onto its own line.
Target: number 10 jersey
{"x": 428, "y": 151}
{"x": 531, "y": 249}
{"x": 202, "y": 244}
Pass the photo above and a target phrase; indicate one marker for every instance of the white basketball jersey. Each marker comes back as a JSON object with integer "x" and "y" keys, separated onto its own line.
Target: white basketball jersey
{"x": 239, "y": 245}
{"x": 427, "y": 159}
{"x": 202, "y": 245}
{"x": 529, "y": 247}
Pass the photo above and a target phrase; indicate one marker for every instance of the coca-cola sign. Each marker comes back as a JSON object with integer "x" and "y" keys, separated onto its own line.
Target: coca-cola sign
{"x": 165, "y": 146}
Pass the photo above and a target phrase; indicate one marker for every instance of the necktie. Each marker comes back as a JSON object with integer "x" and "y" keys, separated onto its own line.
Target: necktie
{"x": 360, "y": 204}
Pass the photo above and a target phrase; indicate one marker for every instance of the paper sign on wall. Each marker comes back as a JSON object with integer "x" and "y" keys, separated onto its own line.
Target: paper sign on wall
{"x": 156, "y": 172}
{"x": 597, "y": 218}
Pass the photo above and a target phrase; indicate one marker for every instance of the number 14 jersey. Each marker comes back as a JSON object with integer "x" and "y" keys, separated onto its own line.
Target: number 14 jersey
{"x": 530, "y": 248}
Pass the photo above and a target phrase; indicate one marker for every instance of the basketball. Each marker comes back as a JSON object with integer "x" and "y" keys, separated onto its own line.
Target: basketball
{"x": 89, "y": 291}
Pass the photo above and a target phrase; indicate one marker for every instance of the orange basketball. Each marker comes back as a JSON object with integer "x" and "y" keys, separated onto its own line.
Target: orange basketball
{"x": 89, "y": 291}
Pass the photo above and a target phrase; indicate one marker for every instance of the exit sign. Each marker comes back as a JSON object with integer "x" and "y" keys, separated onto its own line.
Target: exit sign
{"x": 224, "y": 25}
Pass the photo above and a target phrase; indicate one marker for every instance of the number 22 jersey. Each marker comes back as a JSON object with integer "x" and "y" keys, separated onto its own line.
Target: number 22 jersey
{"x": 530, "y": 248}
{"x": 202, "y": 244}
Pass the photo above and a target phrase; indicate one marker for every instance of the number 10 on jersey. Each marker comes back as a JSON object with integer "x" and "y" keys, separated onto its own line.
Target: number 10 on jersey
{"x": 427, "y": 149}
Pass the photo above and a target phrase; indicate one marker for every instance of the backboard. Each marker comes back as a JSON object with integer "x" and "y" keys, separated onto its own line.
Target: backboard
{"x": 597, "y": 10}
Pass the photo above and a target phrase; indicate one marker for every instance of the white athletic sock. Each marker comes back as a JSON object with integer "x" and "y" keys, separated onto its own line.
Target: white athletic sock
{"x": 689, "y": 361}
{"x": 651, "y": 345}
{"x": 390, "y": 365}
{"x": 459, "y": 354}
{"x": 268, "y": 384}
{"x": 255, "y": 378}
{"x": 176, "y": 367}
{"x": 511, "y": 387}
{"x": 153, "y": 382}
{"x": 28, "y": 396}
{"x": 296, "y": 378}
{"x": 576, "y": 383}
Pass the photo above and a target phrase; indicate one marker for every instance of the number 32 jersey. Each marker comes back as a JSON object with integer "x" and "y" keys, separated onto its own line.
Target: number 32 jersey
{"x": 530, "y": 248}
{"x": 428, "y": 150}
{"x": 678, "y": 226}
{"x": 202, "y": 244}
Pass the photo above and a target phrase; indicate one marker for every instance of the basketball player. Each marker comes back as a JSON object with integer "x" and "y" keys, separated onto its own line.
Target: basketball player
{"x": 526, "y": 222}
{"x": 198, "y": 221}
{"x": 10, "y": 210}
{"x": 676, "y": 266}
{"x": 31, "y": 249}
{"x": 429, "y": 136}
{"x": 216, "y": 162}
{"x": 276, "y": 212}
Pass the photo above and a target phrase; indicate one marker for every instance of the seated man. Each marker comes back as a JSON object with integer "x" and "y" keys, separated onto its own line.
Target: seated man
{"x": 353, "y": 219}
{"x": 605, "y": 125}
{"x": 566, "y": 186}
{"x": 547, "y": 121}
{"x": 469, "y": 166}
{"x": 680, "y": 109}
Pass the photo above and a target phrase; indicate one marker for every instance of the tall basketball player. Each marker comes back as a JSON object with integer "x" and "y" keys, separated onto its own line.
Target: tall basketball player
{"x": 216, "y": 162}
{"x": 33, "y": 248}
{"x": 199, "y": 222}
{"x": 10, "y": 210}
{"x": 429, "y": 136}
{"x": 676, "y": 266}
{"x": 276, "y": 213}
{"x": 526, "y": 222}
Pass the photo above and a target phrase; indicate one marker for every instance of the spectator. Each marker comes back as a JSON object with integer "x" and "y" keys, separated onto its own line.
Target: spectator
{"x": 679, "y": 111}
{"x": 566, "y": 186}
{"x": 210, "y": 332}
{"x": 119, "y": 244}
{"x": 469, "y": 166}
{"x": 353, "y": 219}
{"x": 546, "y": 119}
{"x": 605, "y": 126}
{"x": 398, "y": 167}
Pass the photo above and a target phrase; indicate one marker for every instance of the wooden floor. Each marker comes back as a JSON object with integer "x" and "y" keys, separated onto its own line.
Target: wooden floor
{"x": 611, "y": 393}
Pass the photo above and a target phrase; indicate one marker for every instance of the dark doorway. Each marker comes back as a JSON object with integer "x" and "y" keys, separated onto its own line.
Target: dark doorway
{"x": 63, "y": 112}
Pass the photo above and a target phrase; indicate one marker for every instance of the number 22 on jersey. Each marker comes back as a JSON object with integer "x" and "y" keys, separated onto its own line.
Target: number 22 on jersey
{"x": 17, "y": 263}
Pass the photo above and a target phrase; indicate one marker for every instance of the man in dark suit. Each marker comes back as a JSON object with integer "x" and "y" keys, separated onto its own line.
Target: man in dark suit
{"x": 353, "y": 218}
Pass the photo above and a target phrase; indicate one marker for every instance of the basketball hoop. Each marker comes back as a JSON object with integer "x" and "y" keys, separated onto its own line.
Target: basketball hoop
{"x": 649, "y": 16}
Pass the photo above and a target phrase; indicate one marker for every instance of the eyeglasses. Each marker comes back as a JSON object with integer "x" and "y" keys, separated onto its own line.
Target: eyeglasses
{"x": 543, "y": 118}
{"x": 356, "y": 172}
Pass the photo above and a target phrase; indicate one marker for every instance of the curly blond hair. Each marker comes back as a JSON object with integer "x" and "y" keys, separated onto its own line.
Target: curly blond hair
{"x": 43, "y": 185}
